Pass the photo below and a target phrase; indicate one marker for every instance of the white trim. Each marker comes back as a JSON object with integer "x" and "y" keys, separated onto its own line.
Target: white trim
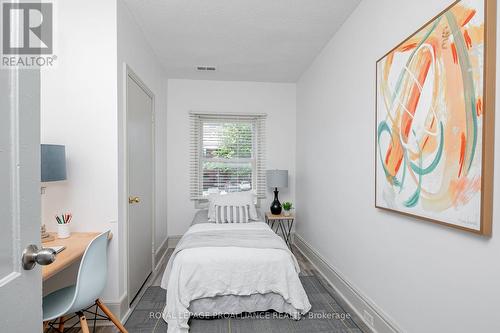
{"x": 356, "y": 299}
{"x": 159, "y": 256}
{"x": 9, "y": 278}
{"x": 124, "y": 308}
{"x": 257, "y": 161}
{"x": 129, "y": 73}
{"x": 117, "y": 307}
{"x": 162, "y": 245}
{"x": 173, "y": 240}
{"x": 226, "y": 114}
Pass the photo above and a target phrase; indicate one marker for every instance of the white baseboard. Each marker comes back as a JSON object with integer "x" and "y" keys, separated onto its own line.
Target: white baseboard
{"x": 160, "y": 252}
{"x": 358, "y": 301}
{"x": 118, "y": 307}
{"x": 173, "y": 240}
{"x": 124, "y": 308}
{"x": 161, "y": 256}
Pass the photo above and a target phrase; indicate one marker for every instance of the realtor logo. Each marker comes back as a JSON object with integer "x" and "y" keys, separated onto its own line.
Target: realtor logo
{"x": 27, "y": 28}
{"x": 27, "y": 34}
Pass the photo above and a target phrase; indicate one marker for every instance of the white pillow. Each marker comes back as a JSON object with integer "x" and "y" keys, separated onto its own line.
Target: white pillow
{"x": 232, "y": 199}
{"x": 211, "y": 207}
{"x": 231, "y": 214}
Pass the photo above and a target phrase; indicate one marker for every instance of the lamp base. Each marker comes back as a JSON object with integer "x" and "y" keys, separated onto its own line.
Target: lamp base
{"x": 276, "y": 205}
{"x": 46, "y": 237}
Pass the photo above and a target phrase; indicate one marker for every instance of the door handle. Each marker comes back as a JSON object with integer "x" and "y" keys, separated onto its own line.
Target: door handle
{"x": 133, "y": 200}
{"x": 33, "y": 255}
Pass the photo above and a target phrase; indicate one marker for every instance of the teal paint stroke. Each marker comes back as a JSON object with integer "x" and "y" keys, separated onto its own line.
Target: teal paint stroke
{"x": 468, "y": 87}
{"x": 418, "y": 169}
{"x": 413, "y": 200}
{"x": 384, "y": 127}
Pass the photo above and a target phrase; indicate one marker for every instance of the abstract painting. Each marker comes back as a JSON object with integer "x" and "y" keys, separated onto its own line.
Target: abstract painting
{"x": 435, "y": 120}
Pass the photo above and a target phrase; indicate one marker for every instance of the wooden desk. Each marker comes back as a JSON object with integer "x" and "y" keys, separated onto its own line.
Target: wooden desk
{"x": 75, "y": 247}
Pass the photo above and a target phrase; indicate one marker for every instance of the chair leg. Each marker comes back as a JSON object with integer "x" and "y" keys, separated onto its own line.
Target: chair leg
{"x": 111, "y": 316}
{"x": 83, "y": 322}
{"x": 60, "y": 328}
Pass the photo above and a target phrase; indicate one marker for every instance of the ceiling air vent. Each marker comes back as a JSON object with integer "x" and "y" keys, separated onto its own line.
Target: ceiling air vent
{"x": 206, "y": 68}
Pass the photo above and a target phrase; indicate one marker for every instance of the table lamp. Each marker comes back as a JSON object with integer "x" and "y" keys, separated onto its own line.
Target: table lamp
{"x": 53, "y": 169}
{"x": 276, "y": 178}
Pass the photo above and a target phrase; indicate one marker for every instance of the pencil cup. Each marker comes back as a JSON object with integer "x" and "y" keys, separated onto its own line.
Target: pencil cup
{"x": 63, "y": 231}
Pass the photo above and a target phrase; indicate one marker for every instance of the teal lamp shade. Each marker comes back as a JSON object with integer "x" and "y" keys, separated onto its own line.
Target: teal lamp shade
{"x": 53, "y": 158}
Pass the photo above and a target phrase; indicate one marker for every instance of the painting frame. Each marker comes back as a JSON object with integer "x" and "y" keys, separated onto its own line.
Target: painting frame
{"x": 488, "y": 122}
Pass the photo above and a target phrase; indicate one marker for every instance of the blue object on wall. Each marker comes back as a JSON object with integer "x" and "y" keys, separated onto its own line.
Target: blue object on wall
{"x": 53, "y": 159}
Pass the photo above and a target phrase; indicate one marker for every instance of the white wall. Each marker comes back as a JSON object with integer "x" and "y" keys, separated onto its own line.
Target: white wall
{"x": 275, "y": 99}
{"x": 78, "y": 110}
{"x": 427, "y": 277}
{"x": 82, "y": 107}
{"x": 134, "y": 51}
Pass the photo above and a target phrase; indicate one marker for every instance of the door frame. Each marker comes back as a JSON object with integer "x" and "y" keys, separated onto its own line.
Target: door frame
{"x": 129, "y": 73}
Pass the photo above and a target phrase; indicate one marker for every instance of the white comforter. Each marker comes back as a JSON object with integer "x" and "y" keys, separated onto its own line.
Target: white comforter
{"x": 213, "y": 271}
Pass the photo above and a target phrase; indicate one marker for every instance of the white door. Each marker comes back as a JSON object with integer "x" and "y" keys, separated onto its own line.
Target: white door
{"x": 20, "y": 289}
{"x": 140, "y": 155}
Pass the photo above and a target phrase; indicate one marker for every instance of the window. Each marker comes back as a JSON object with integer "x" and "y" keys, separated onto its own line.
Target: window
{"x": 227, "y": 154}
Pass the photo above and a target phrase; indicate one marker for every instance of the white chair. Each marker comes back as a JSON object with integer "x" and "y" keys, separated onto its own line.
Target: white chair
{"x": 70, "y": 302}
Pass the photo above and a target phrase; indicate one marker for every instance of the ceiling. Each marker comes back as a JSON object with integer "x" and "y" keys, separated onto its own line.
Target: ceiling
{"x": 247, "y": 40}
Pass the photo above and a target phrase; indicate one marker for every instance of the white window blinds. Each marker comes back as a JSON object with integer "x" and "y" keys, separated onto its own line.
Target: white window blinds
{"x": 227, "y": 154}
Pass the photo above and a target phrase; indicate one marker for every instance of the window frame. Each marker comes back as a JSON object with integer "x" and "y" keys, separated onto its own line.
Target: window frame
{"x": 202, "y": 158}
{"x": 257, "y": 161}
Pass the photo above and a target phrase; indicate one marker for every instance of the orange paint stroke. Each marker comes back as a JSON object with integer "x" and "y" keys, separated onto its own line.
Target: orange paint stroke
{"x": 479, "y": 107}
{"x": 407, "y": 128}
{"x": 454, "y": 52}
{"x": 408, "y": 47}
{"x": 425, "y": 142}
{"x": 469, "y": 17}
{"x": 388, "y": 155}
{"x": 462, "y": 153}
{"x": 468, "y": 40}
{"x": 394, "y": 158}
{"x": 463, "y": 190}
{"x": 398, "y": 165}
{"x": 395, "y": 153}
{"x": 476, "y": 34}
{"x": 432, "y": 123}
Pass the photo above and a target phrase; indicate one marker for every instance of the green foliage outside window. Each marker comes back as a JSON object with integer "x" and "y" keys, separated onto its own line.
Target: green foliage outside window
{"x": 236, "y": 142}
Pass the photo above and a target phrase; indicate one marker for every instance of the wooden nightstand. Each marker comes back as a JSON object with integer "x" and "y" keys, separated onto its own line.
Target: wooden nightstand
{"x": 283, "y": 223}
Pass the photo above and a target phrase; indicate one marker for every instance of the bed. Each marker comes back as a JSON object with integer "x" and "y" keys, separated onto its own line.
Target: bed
{"x": 230, "y": 268}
